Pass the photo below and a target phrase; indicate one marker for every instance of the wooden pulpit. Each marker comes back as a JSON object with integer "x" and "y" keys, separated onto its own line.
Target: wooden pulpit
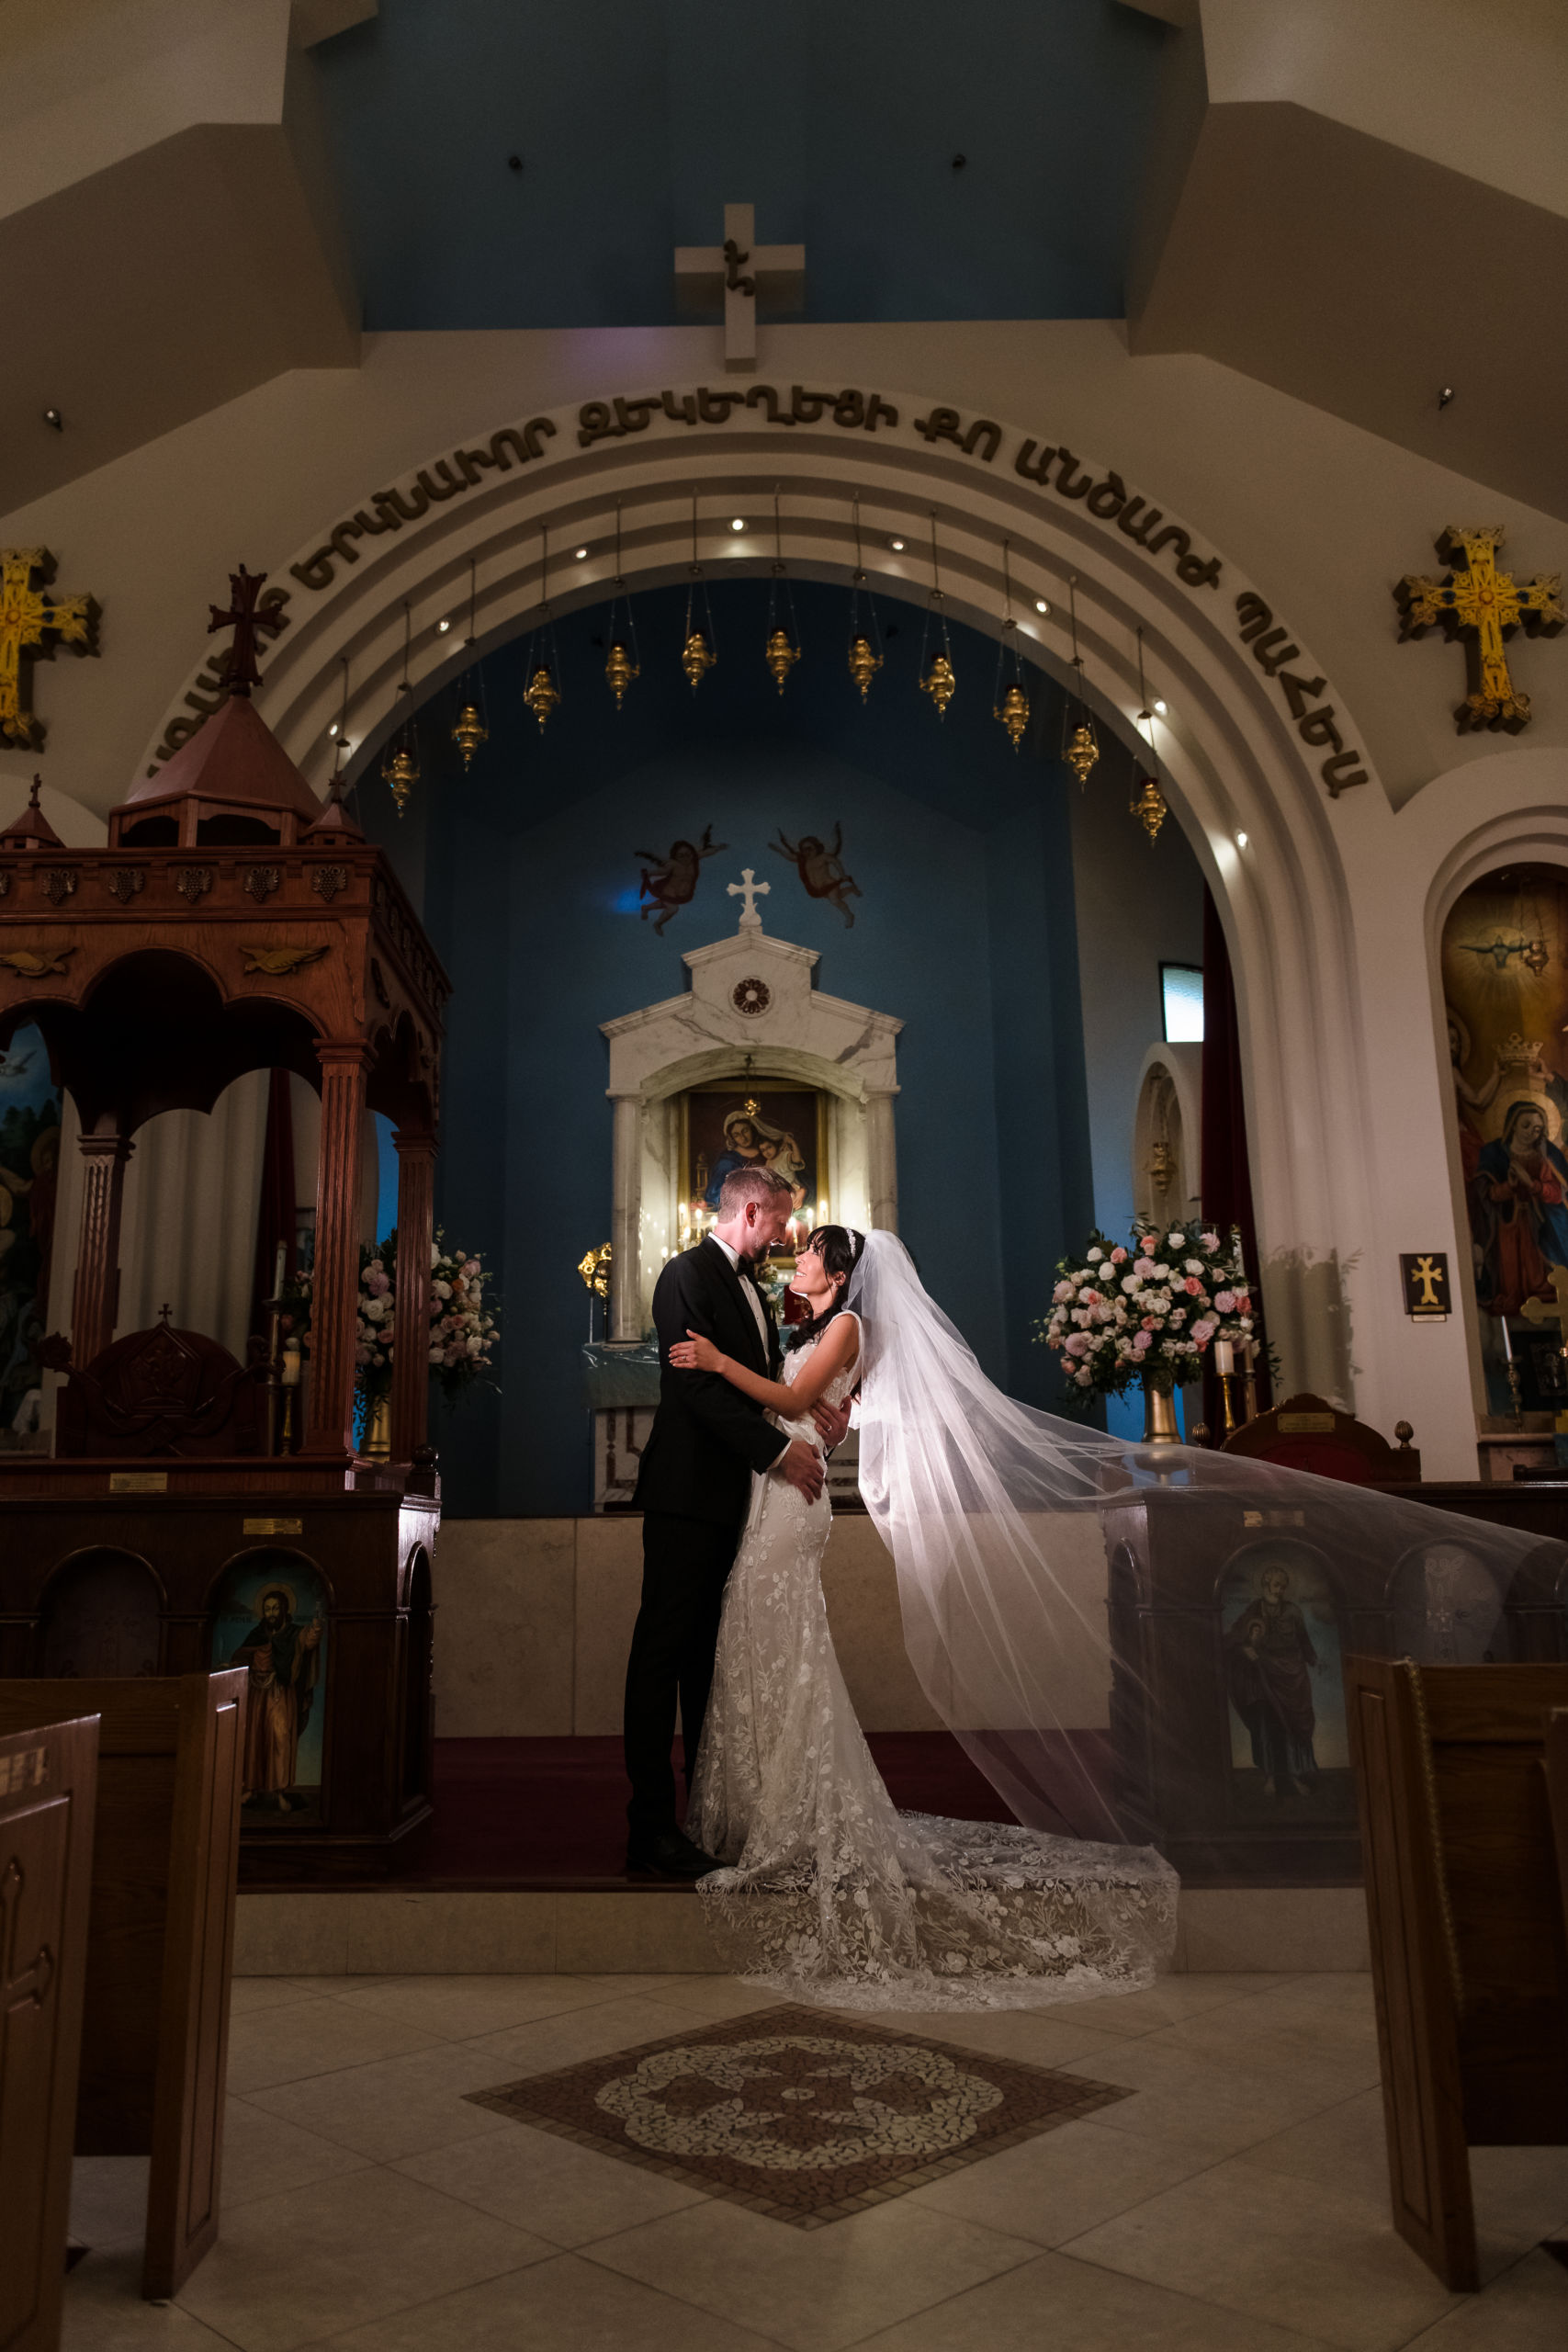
{"x": 235, "y": 923}
{"x": 48, "y": 1783}
{"x": 159, "y": 1937}
{"x": 1469, "y": 1944}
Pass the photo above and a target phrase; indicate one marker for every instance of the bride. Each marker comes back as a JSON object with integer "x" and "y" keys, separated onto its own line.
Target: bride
{"x": 829, "y": 1890}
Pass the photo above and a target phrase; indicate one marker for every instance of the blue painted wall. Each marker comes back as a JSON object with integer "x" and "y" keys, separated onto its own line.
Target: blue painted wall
{"x": 636, "y": 121}
{"x": 966, "y": 853}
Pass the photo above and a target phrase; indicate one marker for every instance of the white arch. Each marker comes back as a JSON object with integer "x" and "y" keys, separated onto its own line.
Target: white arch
{"x": 1235, "y": 768}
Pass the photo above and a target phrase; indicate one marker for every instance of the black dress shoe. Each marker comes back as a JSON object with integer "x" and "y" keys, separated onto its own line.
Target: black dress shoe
{"x": 669, "y": 1855}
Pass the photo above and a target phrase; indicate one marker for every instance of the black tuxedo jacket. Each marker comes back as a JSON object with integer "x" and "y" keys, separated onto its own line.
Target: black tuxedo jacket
{"x": 706, "y": 1437}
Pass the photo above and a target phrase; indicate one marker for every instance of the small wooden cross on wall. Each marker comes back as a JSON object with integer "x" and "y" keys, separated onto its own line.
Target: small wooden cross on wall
{"x": 32, "y": 622}
{"x": 244, "y": 616}
{"x": 737, "y": 278}
{"x": 1476, "y": 601}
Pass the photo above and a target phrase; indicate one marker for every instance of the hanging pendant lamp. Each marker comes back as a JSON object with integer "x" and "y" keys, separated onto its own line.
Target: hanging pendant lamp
{"x": 697, "y": 654}
{"x": 1149, "y": 803}
{"x": 782, "y": 649}
{"x": 400, "y": 770}
{"x": 542, "y": 661}
{"x": 471, "y": 726}
{"x": 938, "y": 679}
{"x": 1080, "y": 744}
{"x": 1009, "y": 702}
{"x": 866, "y": 655}
{"x": 622, "y": 661}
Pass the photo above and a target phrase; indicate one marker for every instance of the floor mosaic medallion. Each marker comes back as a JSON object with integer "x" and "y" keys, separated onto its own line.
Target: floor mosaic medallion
{"x": 796, "y": 2113}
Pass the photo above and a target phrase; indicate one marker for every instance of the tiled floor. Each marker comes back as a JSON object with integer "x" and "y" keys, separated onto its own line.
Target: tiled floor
{"x": 1237, "y": 2202}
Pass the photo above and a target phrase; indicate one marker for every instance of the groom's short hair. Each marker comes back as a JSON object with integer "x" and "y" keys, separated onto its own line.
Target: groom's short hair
{"x": 743, "y": 1184}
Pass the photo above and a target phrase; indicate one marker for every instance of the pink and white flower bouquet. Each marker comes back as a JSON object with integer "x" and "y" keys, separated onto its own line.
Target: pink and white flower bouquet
{"x": 1147, "y": 1313}
{"x": 463, "y": 1335}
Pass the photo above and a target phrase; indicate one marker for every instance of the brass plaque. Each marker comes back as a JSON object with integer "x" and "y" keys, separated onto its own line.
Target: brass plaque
{"x": 27, "y": 1770}
{"x": 1273, "y": 1519}
{"x": 1305, "y": 1425}
{"x": 138, "y": 1482}
{"x": 273, "y": 1527}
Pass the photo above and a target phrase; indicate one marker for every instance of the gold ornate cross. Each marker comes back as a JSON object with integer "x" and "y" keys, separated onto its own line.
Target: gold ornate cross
{"x": 30, "y": 623}
{"x": 1476, "y": 601}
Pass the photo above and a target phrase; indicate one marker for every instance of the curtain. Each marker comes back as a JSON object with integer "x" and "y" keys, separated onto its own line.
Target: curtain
{"x": 277, "y": 1211}
{"x": 1225, "y": 1182}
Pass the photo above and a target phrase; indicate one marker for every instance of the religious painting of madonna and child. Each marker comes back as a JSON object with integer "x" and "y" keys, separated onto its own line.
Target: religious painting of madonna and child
{"x": 753, "y": 1125}
{"x": 1505, "y": 983}
{"x": 1279, "y": 1635}
{"x": 29, "y": 1159}
{"x": 270, "y": 1615}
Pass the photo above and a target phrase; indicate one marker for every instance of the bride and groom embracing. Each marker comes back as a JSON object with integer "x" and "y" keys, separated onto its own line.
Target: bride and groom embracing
{"x": 811, "y": 1878}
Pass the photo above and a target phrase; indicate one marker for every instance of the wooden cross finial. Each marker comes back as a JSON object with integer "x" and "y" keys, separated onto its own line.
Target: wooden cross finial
{"x": 165, "y": 1312}
{"x": 244, "y": 616}
{"x": 1476, "y": 601}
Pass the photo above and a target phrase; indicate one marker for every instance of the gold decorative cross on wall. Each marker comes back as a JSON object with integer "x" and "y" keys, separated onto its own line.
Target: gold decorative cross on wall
{"x": 1476, "y": 601}
{"x": 736, "y": 278}
{"x": 32, "y": 622}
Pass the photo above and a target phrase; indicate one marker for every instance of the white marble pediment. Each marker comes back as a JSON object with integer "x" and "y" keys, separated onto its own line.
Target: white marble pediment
{"x": 750, "y": 994}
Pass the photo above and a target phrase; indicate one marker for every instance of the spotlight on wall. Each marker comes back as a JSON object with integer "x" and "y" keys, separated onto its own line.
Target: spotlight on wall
{"x": 332, "y": 728}
{"x": 1041, "y": 605}
{"x": 896, "y": 546}
{"x": 739, "y": 524}
{"x": 1241, "y": 840}
{"x": 52, "y": 417}
{"x": 582, "y": 552}
{"x": 1444, "y": 395}
{"x": 1161, "y": 706}
{"x": 441, "y": 628}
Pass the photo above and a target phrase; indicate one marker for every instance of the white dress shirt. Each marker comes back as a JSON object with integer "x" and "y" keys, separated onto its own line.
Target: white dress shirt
{"x": 748, "y": 1287}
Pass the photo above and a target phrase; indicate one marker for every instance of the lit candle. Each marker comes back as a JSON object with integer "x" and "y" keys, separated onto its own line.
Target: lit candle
{"x": 1224, "y": 1356}
{"x": 1507, "y": 1343}
{"x": 290, "y": 1376}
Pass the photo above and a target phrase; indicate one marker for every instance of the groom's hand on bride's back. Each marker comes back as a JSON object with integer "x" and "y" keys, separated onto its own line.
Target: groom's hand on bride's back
{"x": 802, "y": 1466}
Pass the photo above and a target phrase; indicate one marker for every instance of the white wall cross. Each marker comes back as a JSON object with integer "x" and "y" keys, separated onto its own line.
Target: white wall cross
{"x": 750, "y": 891}
{"x": 736, "y": 278}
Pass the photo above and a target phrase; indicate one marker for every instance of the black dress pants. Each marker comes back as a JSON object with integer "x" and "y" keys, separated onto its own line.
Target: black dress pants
{"x": 684, "y": 1563}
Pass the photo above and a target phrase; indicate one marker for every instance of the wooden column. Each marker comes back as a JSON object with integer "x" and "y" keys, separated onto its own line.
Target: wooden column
{"x": 410, "y": 1323}
{"x": 335, "y": 1287}
{"x": 96, "y": 1301}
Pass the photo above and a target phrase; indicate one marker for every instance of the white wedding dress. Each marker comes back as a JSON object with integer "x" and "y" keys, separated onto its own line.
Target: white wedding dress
{"x": 831, "y": 1894}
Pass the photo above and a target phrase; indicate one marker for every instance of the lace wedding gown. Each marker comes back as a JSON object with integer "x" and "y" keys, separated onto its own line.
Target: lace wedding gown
{"x": 832, "y": 1893}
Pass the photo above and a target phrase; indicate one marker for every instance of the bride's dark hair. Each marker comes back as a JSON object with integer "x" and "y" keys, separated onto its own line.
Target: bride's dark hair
{"x": 839, "y": 1249}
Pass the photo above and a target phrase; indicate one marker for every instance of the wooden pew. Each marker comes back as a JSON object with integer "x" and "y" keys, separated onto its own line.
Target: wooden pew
{"x": 1470, "y": 1946}
{"x": 1557, "y": 1796}
{"x": 159, "y": 1940}
{"x": 48, "y": 1785}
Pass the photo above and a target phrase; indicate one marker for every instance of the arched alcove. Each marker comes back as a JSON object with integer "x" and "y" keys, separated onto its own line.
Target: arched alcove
{"x": 101, "y": 1615}
{"x": 1166, "y": 1133}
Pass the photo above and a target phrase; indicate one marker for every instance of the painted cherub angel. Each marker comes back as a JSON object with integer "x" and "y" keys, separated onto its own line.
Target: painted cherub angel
{"x": 669, "y": 883}
{"x": 822, "y": 869}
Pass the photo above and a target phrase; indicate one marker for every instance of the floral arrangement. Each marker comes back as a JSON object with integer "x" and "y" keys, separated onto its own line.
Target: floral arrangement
{"x": 463, "y": 1337}
{"x": 1147, "y": 1313}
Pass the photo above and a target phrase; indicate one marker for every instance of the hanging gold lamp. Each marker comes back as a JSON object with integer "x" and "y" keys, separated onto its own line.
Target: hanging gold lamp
{"x": 1011, "y": 706}
{"x": 1080, "y": 744}
{"x": 781, "y": 657}
{"x": 400, "y": 774}
{"x": 865, "y": 663}
{"x": 542, "y": 694}
{"x": 782, "y": 650}
{"x": 940, "y": 680}
{"x": 1148, "y": 804}
{"x": 697, "y": 654}
{"x": 622, "y": 661}
{"x": 469, "y": 731}
{"x": 619, "y": 670}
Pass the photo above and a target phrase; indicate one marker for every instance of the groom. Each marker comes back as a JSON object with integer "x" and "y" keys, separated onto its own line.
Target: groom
{"x": 693, "y": 1490}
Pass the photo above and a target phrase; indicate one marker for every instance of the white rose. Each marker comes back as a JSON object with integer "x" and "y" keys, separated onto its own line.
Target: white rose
{"x": 1095, "y": 1256}
{"x": 1176, "y": 1240}
{"x": 1194, "y": 1265}
{"x": 1128, "y": 1282}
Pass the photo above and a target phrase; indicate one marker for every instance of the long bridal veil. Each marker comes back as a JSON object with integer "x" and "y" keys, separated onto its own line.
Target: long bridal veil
{"x": 1003, "y": 1522}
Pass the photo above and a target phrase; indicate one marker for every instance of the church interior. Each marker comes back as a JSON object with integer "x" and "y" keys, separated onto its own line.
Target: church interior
{"x": 959, "y": 619}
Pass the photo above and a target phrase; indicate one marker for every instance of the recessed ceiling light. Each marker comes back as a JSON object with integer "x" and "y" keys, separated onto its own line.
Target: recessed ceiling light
{"x": 581, "y": 553}
{"x": 332, "y": 728}
{"x": 441, "y": 628}
{"x": 1161, "y": 706}
{"x": 896, "y": 546}
{"x": 1041, "y": 605}
{"x": 1241, "y": 840}
{"x": 739, "y": 524}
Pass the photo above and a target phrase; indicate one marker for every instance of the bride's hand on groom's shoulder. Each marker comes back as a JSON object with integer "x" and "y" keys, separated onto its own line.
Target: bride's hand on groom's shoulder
{"x": 694, "y": 1353}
